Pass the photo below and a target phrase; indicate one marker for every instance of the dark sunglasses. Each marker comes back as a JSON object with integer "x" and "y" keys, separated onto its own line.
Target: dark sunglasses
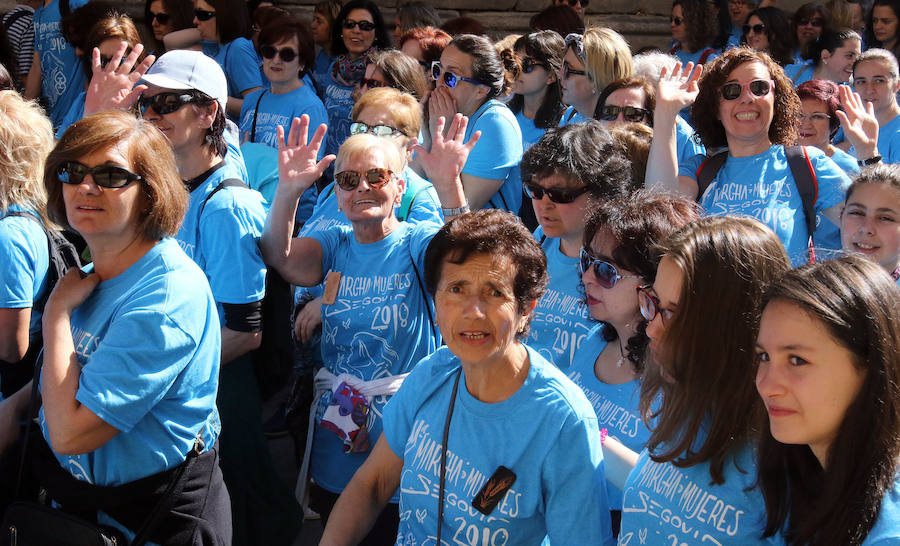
{"x": 375, "y": 178}
{"x": 817, "y": 22}
{"x": 165, "y": 103}
{"x": 630, "y": 113}
{"x": 450, "y": 79}
{"x": 676, "y": 21}
{"x": 573, "y": 3}
{"x": 606, "y": 273}
{"x": 371, "y": 84}
{"x": 358, "y": 127}
{"x": 161, "y": 18}
{"x": 758, "y": 29}
{"x": 105, "y": 176}
{"x": 287, "y": 54}
{"x": 529, "y": 64}
{"x": 569, "y": 71}
{"x": 650, "y": 305}
{"x": 759, "y": 88}
{"x": 203, "y": 15}
{"x": 364, "y": 26}
{"x": 558, "y": 196}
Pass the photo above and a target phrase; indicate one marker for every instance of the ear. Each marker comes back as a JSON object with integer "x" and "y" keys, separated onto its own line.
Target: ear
{"x": 825, "y": 56}
{"x": 551, "y": 77}
{"x": 401, "y": 186}
{"x": 207, "y": 114}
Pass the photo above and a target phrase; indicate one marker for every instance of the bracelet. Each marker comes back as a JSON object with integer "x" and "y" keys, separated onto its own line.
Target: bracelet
{"x": 457, "y": 211}
{"x": 870, "y": 161}
{"x": 603, "y": 434}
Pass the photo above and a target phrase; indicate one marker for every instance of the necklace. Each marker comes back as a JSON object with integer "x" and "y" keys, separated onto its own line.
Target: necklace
{"x": 621, "y": 357}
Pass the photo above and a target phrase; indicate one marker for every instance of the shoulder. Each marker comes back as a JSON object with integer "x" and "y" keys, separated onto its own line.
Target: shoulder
{"x": 497, "y": 114}
{"x": 21, "y": 231}
{"x": 557, "y": 392}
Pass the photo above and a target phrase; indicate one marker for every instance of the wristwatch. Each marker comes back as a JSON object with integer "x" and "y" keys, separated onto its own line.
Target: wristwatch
{"x": 871, "y": 161}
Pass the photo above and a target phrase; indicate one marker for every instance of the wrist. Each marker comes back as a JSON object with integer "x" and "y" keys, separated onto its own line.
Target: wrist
{"x": 456, "y": 211}
{"x": 871, "y": 160}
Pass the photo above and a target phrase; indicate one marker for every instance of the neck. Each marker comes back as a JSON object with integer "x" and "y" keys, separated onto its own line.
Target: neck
{"x": 612, "y": 365}
{"x": 470, "y": 109}
{"x": 742, "y": 148}
{"x": 532, "y": 102}
{"x": 112, "y": 257}
{"x": 889, "y": 45}
{"x": 821, "y": 453}
{"x": 571, "y": 245}
{"x": 372, "y": 231}
{"x": 587, "y": 107}
{"x": 885, "y": 115}
{"x": 493, "y": 382}
{"x": 279, "y": 88}
{"x": 194, "y": 162}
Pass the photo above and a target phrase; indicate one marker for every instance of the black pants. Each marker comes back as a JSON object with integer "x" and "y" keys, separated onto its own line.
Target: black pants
{"x": 383, "y": 533}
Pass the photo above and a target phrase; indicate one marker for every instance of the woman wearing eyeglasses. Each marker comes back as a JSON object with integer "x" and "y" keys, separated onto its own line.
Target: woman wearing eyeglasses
{"x": 693, "y": 30}
{"x": 768, "y": 30}
{"x": 627, "y": 100}
{"x": 807, "y": 24}
{"x": 832, "y": 56}
{"x": 391, "y": 68}
{"x": 537, "y": 99}
{"x": 165, "y": 16}
{"x": 818, "y": 122}
{"x": 131, "y": 345}
{"x": 225, "y": 25}
{"x": 470, "y": 77}
{"x": 377, "y": 321}
{"x": 617, "y": 258}
{"x": 744, "y": 101}
{"x": 591, "y": 62}
{"x": 698, "y": 468}
{"x": 565, "y": 175}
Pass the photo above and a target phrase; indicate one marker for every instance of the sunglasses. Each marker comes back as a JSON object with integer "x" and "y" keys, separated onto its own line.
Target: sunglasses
{"x": 818, "y": 23}
{"x": 161, "y": 18}
{"x": 529, "y": 64}
{"x": 375, "y": 178}
{"x": 676, "y": 21}
{"x": 372, "y": 84}
{"x": 364, "y": 26}
{"x": 759, "y": 88}
{"x": 203, "y": 15}
{"x": 606, "y": 273}
{"x": 104, "y": 60}
{"x": 569, "y": 71}
{"x": 287, "y": 54}
{"x": 757, "y": 29}
{"x": 630, "y": 113}
{"x": 450, "y": 79}
{"x": 558, "y": 196}
{"x": 359, "y": 127}
{"x": 573, "y": 3}
{"x": 105, "y": 176}
{"x": 165, "y": 103}
{"x": 650, "y": 305}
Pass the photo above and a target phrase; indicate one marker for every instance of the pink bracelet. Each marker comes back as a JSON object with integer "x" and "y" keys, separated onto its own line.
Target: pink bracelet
{"x": 603, "y": 434}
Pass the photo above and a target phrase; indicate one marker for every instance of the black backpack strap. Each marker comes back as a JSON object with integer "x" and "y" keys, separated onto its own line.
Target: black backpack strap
{"x": 421, "y": 286}
{"x": 227, "y": 183}
{"x": 255, "y": 114}
{"x": 807, "y": 185}
{"x": 708, "y": 171}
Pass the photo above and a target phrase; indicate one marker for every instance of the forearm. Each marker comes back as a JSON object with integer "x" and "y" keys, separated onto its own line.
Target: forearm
{"x": 618, "y": 461}
{"x": 478, "y": 191}
{"x": 279, "y": 229}
{"x": 235, "y": 344}
{"x": 233, "y": 106}
{"x": 662, "y": 163}
{"x": 14, "y": 334}
{"x": 59, "y": 381}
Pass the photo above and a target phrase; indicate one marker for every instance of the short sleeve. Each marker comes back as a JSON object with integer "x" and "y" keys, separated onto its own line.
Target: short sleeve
{"x": 328, "y": 239}
{"x": 687, "y": 142}
{"x": 242, "y": 67}
{"x": 498, "y": 150}
{"x": 18, "y": 271}
{"x": 690, "y": 166}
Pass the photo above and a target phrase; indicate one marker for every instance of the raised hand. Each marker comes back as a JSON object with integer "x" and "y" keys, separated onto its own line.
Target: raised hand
{"x": 113, "y": 87}
{"x": 444, "y": 163}
{"x": 298, "y": 163}
{"x": 440, "y": 104}
{"x": 859, "y": 123}
{"x": 678, "y": 89}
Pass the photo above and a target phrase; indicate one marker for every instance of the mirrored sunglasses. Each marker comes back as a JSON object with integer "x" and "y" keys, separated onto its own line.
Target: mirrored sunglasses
{"x": 375, "y": 178}
{"x": 450, "y": 79}
{"x": 758, "y": 88}
{"x": 606, "y": 273}
{"x": 359, "y": 127}
{"x": 105, "y": 176}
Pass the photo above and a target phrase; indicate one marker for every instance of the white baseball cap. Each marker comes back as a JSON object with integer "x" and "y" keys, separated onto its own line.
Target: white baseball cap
{"x": 185, "y": 69}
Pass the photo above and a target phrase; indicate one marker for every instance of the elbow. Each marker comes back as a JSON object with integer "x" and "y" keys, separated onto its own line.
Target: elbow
{"x": 65, "y": 443}
{"x": 253, "y": 341}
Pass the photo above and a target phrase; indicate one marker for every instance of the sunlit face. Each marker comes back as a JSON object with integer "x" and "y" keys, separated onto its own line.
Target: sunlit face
{"x": 738, "y": 10}
{"x": 747, "y": 118}
{"x": 186, "y": 127}
{"x": 813, "y": 127}
{"x": 757, "y": 40}
{"x": 627, "y": 96}
{"x": 577, "y": 88}
{"x": 870, "y": 224}
{"x": 667, "y": 288}
{"x": 476, "y": 310}
{"x": 810, "y": 31}
{"x": 321, "y": 29}
{"x": 104, "y": 214}
{"x": 160, "y": 29}
{"x": 679, "y": 31}
{"x": 279, "y": 71}
{"x": 208, "y": 30}
{"x": 561, "y": 220}
{"x": 806, "y": 379}
{"x": 356, "y": 40}
{"x": 469, "y": 96}
{"x": 875, "y": 83}
{"x": 535, "y": 82}
{"x": 884, "y": 25}
{"x": 838, "y": 66}
{"x": 619, "y": 304}
{"x": 365, "y": 203}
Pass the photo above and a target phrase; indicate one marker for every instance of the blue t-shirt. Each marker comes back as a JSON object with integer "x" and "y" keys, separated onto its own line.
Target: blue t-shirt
{"x": 763, "y": 187}
{"x": 224, "y": 241}
{"x": 687, "y": 143}
{"x": 561, "y": 320}
{"x": 25, "y": 257}
{"x": 62, "y": 75}
{"x": 687, "y": 57}
{"x": 338, "y": 104}
{"x": 379, "y": 325}
{"x": 530, "y": 132}
{"x": 148, "y": 343}
{"x": 240, "y": 63}
{"x": 321, "y": 72}
{"x": 75, "y": 113}
{"x": 280, "y": 109}
{"x": 886, "y": 530}
{"x": 546, "y": 433}
{"x": 497, "y": 154}
{"x": 799, "y": 72}
{"x": 888, "y": 141}
{"x": 845, "y": 161}
{"x": 666, "y": 504}
{"x": 570, "y": 116}
{"x": 616, "y": 406}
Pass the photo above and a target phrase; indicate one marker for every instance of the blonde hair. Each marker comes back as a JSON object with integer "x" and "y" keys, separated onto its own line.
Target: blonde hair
{"x": 607, "y": 57}
{"x": 26, "y": 137}
{"x": 360, "y": 144}
{"x": 403, "y": 107}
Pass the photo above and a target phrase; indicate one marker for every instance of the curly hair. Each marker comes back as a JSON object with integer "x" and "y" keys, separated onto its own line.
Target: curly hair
{"x": 778, "y": 32}
{"x": 705, "y": 110}
{"x": 26, "y": 138}
{"x": 699, "y": 23}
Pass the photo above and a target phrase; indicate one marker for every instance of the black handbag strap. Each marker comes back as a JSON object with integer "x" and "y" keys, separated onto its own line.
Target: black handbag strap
{"x": 443, "y": 472}
{"x": 255, "y": 114}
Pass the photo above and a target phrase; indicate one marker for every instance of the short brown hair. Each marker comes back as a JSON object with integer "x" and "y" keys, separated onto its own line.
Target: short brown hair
{"x": 150, "y": 156}
{"x": 705, "y": 110}
{"x": 405, "y": 109}
{"x": 400, "y": 71}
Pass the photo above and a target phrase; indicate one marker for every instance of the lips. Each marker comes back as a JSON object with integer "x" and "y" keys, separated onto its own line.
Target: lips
{"x": 778, "y": 411}
{"x": 746, "y": 116}
{"x": 865, "y": 248}
{"x": 473, "y": 337}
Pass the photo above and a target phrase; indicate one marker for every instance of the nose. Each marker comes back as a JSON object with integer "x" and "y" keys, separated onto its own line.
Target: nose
{"x": 768, "y": 381}
{"x": 474, "y": 307}
{"x": 867, "y": 225}
{"x": 195, "y": 21}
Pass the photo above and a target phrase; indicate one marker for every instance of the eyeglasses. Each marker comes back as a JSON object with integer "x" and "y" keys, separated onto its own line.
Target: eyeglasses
{"x": 569, "y": 71}
{"x": 359, "y": 127}
{"x": 737, "y": 2}
{"x": 203, "y": 15}
{"x": 166, "y": 103}
{"x": 451, "y": 79}
{"x": 817, "y": 22}
{"x": 558, "y": 196}
{"x": 573, "y": 3}
{"x": 161, "y": 18}
{"x": 372, "y": 84}
{"x": 630, "y": 113}
{"x": 529, "y": 64}
{"x": 287, "y": 54}
{"x": 364, "y": 26}
{"x": 105, "y": 176}
{"x": 576, "y": 42}
{"x": 676, "y": 21}
{"x": 817, "y": 116}
{"x": 756, "y": 29}
{"x": 375, "y": 178}
{"x": 606, "y": 273}
{"x": 650, "y": 305}
{"x": 759, "y": 88}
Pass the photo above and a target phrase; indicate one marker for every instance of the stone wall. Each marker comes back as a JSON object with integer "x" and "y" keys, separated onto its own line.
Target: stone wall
{"x": 642, "y": 22}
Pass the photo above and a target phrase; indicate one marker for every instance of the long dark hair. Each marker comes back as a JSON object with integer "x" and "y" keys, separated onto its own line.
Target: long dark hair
{"x": 870, "y": 32}
{"x": 857, "y": 302}
{"x": 699, "y": 22}
{"x": 778, "y": 31}
{"x": 382, "y": 40}
{"x": 547, "y": 47}
{"x": 232, "y": 19}
{"x": 829, "y": 41}
{"x": 708, "y": 344}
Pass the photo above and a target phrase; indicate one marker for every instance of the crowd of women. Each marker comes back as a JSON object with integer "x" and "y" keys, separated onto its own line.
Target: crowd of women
{"x": 545, "y": 290}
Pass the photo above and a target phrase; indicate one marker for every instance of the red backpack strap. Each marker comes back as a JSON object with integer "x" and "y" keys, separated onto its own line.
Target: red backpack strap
{"x": 705, "y": 56}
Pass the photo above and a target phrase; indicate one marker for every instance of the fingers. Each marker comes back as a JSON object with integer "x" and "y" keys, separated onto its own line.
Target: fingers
{"x": 686, "y": 72}
{"x": 293, "y": 134}
{"x": 142, "y": 68}
{"x": 95, "y": 59}
{"x": 473, "y": 140}
{"x": 133, "y": 96}
{"x": 842, "y": 117}
{"x": 318, "y": 137}
{"x": 438, "y": 136}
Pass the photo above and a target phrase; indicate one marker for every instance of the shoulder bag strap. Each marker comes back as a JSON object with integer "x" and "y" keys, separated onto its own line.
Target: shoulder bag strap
{"x": 708, "y": 171}
{"x": 443, "y": 471}
{"x": 255, "y": 114}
